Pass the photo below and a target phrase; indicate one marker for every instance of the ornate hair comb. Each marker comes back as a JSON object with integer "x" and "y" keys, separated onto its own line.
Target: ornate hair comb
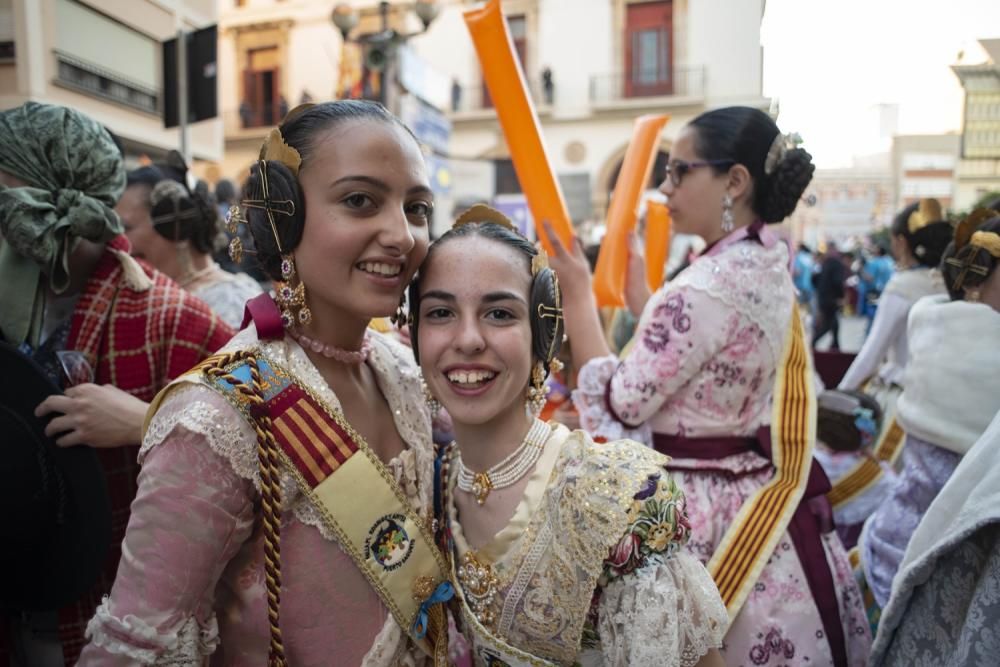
{"x": 779, "y": 149}
{"x": 483, "y": 213}
{"x": 966, "y": 235}
{"x": 928, "y": 211}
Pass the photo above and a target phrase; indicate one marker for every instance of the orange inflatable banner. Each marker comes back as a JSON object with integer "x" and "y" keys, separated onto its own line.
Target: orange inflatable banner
{"x": 609, "y": 274}
{"x": 519, "y": 121}
{"x": 657, "y": 242}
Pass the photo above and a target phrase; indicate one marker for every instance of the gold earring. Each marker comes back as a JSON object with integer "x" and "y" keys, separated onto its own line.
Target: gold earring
{"x": 432, "y": 403}
{"x": 537, "y": 391}
{"x": 399, "y": 317}
{"x": 291, "y": 298}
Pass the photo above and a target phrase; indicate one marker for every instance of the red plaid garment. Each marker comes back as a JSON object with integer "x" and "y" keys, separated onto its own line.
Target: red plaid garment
{"x": 138, "y": 342}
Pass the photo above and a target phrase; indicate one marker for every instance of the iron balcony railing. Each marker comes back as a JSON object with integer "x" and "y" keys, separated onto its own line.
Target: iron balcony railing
{"x": 620, "y": 86}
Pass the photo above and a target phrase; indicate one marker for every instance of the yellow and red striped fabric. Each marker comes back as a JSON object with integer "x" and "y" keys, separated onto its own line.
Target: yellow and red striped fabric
{"x": 764, "y": 517}
{"x": 316, "y": 444}
{"x": 867, "y": 472}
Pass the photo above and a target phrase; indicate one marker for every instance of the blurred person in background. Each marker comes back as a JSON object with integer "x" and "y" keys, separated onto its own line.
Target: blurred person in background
{"x": 829, "y": 282}
{"x": 69, "y": 285}
{"x": 952, "y": 392}
{"x": 176, "y": 229}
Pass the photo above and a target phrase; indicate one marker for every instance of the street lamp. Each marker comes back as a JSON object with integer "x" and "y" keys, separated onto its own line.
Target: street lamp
{"x": 379, "y": 48}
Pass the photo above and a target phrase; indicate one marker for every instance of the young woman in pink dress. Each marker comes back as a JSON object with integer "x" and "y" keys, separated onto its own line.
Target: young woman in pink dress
{"x": 718, "y": 378}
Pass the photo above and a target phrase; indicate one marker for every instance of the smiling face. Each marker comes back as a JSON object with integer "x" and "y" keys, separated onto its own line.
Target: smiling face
{"x": 696, "y": 204}
{"x": 368, "y": 206}
{"x": 474, "y": 334}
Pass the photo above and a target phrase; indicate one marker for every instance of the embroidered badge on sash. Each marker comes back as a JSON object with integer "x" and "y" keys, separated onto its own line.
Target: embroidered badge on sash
{"x": 388, "y": 543}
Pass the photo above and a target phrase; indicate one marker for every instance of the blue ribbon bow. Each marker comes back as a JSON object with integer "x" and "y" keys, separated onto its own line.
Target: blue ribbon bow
{"x": 442, "y": 593}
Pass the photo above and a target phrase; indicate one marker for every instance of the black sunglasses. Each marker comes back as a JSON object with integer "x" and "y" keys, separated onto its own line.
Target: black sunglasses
{"x": 677, "y": 169}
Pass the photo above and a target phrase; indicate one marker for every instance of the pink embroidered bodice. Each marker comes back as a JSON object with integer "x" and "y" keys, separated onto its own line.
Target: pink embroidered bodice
{"x": 705, "y": 350}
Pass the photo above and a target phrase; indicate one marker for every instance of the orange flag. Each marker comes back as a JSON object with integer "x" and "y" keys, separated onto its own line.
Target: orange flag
{"x": 609, "y": 275}
{"x": 518, "y": 120}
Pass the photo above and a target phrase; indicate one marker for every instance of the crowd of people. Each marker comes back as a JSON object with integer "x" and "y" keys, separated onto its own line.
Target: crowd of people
{"x": 241, "y": 470}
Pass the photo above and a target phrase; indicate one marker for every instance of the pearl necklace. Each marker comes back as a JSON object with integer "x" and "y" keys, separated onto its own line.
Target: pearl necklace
{"x": 357, "y": 357}
{"x": 508, "y": 471}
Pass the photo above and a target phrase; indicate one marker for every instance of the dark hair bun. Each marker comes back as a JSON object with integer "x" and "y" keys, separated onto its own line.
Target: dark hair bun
{"x": 181, "y": 215}
{"x": 546, "y": 320}
{"x": 780, "y": 192}
{"x": 929, "y": 243}
{"x": 282, "y": 186}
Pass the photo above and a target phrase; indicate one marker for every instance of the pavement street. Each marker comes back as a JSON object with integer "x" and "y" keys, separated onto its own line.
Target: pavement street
{"x": 852, "y": 334}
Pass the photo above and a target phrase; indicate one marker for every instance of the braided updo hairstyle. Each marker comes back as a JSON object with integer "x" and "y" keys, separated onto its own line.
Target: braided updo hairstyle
{"x": 546, "y": 333}
{"x": 929, "y": 242}
{"x": 300, "y": 131}
{"x": 744, "y": 135}
{"x": 969, "y": 255}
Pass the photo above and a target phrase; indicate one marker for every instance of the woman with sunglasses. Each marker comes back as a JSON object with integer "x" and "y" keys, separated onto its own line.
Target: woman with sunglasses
{"x": 718, "y": 378}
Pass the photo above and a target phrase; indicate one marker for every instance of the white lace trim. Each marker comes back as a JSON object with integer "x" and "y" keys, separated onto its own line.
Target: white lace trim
{"x": 186, "y": 645}
{"x": 750, "y": 279}
{"x": 589, "y": 399}
{"x": 392, "y": 648}
{"x": 667, "y": 613}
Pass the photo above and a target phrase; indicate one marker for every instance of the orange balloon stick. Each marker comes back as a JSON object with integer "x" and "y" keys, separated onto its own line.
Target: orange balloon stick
{"x": 657, "y": 242}
{"x": 609, "y": 274}
{"x": 519, "y": 121}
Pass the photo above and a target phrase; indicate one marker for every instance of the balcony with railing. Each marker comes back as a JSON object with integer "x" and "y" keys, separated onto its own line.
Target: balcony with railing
{"x": 681, "y": 85}
{"x": 474, "y": 103}
{"x": 85, "y": 77}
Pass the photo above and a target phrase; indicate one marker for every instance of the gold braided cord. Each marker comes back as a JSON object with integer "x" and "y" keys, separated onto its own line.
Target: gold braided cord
{"x": 270, "y": 485}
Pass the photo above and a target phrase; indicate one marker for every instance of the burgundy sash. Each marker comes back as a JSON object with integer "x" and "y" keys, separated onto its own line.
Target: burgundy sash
{"x": 812, "y": 518}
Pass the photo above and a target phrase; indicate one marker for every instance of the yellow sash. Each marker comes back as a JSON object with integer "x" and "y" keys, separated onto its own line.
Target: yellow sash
{"x": 760, "y": 523}
{"x": 356, "y": 496}
{"x": 867, "y": 472}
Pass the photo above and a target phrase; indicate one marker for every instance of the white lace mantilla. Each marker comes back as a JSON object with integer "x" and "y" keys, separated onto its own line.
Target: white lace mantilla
{"x": 751, "y": 279}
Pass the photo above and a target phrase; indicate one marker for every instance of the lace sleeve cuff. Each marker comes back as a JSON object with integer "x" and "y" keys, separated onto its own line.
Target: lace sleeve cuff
{"x": 592, "y": 403}
{"x": 129, "y": 637}
{"x": 667, "y": 613}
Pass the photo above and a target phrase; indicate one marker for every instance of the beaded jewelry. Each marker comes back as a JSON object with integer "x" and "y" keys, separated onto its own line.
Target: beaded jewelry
{"x": 508, "y": 471}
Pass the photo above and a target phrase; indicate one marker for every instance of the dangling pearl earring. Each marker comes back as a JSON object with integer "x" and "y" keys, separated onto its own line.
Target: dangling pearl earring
{"x": 537, "y": 391}
{"x": 727, "y": 214}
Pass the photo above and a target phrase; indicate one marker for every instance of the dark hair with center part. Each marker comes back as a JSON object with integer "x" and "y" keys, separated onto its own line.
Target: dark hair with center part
{"x": 300, "y": 131}
{"x": 744, "y": 135}
{"x": 546, "y": 333}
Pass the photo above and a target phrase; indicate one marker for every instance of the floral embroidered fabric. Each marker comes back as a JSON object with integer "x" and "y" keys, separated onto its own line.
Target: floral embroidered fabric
{"x": 197, "y": 504}
{"x": 606, "y": 526}
{"x": 704, "y": 364}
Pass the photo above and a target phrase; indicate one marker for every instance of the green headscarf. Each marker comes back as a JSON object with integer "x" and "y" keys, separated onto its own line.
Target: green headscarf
{"x": 75, "y": 176}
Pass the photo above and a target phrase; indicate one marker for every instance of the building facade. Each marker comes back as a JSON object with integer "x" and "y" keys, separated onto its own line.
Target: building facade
{"x": 104, "y": 57}
{"x": 592, "y": 67}
{"x": 925, "y": 165}
{"x": 979, "y": 168}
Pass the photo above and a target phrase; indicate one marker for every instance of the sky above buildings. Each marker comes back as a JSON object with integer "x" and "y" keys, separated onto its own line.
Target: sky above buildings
{"x": 845, "y": 72}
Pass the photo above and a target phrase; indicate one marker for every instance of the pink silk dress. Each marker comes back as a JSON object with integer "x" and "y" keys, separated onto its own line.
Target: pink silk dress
{"x": 703, "y": 365}
{"x": 190, "y": 588}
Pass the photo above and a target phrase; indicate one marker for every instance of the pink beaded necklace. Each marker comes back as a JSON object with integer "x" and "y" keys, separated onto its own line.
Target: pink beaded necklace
{"x": 332, "y": 352}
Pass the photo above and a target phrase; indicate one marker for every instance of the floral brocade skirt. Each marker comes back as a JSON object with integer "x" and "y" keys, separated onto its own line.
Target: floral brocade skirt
{"x": 779, "y": 624}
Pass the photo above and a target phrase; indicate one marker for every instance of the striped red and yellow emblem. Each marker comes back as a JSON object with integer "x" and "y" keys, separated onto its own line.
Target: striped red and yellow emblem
{"x": 867, "y": 472}
{"x": 315, "y": 443}
{"x": 764, "y": 517}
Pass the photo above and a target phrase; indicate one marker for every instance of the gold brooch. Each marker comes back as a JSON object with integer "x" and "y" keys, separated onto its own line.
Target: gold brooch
{"x": 480, "y": 587}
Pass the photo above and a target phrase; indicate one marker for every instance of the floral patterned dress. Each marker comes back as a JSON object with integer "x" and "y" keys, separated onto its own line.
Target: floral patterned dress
{"x": 590, "y": 569}
{"x": 704, "y": 365}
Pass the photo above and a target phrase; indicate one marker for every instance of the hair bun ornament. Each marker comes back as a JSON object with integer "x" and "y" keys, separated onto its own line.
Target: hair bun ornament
{"x": 965, "y": 229}
{"x": 779, "y": 149}
{"x": 483, "y": 213}
{"x": 928, "y": 211}
{"x": 275, "y": 148}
